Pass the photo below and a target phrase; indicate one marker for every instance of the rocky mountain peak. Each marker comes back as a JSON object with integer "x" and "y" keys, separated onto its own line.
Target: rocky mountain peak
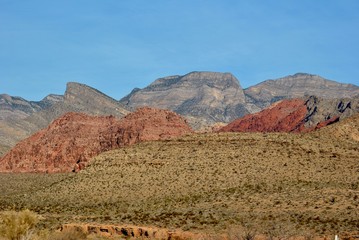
{"x": 77, "y": 90}
{"x": 296, "y": 86}
{"x": 197, "y": 79}
{"x": 308, "y": 80}
{"x": 202, "y": 97}
{"x": 90, "y": 100}
{"x": 214, "y": 79}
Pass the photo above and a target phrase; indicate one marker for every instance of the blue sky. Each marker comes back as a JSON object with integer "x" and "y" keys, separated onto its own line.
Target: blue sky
{"x": 116, "y": 45}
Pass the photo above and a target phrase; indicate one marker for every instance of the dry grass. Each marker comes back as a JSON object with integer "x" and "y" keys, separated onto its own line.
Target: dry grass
{"x": 276, "y": 184}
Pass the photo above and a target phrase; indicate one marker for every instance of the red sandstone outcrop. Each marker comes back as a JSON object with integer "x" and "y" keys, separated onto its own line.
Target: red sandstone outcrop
{"x": 130, "y": 231}
{"x": 283, "y": 116}
{"x": 70, "y": 141}
{"x": 292, "y": 115}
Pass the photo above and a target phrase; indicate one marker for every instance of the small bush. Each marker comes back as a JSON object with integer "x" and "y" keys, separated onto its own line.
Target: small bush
{"x": 17, "y": 225}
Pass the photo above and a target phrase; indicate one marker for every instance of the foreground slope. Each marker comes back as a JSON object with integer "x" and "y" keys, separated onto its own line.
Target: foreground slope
{"x": 71, "y": 140}
{"x": 203, "y": 97}
{"x": 278, "y": 184}
{"x": 296, "y": 115}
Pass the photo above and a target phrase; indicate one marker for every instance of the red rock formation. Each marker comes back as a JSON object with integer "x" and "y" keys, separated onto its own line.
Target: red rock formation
{"x": 327, "y": 122}
{"x": 283, "y": 116}
{"x": 71, "y": 140}
{"x": 130, "y": 231}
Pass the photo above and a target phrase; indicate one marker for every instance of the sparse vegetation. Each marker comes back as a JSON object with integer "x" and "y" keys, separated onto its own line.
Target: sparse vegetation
{"x": 17, "y": 225}
{"x": 279, "y": 184}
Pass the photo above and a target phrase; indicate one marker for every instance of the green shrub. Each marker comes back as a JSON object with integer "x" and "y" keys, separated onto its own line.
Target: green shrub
{"x": 17, "y": 225}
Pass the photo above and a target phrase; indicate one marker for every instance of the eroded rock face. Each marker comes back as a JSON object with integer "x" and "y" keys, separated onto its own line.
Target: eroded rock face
{"x": 71, "y": 140}
{"x": 296, "y": 115}
{"x": 283, "y": 116}
{"x": 204, "y": 98}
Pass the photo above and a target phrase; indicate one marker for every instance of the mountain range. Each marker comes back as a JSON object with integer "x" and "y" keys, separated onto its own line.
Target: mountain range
{"x": 203, "y": 98}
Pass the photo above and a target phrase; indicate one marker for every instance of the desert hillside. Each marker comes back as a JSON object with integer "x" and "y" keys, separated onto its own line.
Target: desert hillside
{"x": 276, "y": 183}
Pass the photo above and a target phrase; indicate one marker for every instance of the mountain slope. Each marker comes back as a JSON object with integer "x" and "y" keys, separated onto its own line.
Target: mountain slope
{"x": 13, "y": 111}
{"x": 297, "y": 86}
{"x": 71, "y": 140}
{"x": 296, "y": 115}
{"x": 203, "y": 97}
{"x": 77, "y": 98}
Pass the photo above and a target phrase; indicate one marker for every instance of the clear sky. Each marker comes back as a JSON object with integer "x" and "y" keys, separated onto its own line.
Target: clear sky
{"x": 116, "y": 45}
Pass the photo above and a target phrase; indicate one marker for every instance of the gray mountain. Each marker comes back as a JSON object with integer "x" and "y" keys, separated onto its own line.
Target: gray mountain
{"x": 13, "y": 110}
{"x": 17, "y": 107}
{"x": 79, "y": 98}
{"x": 204, "y": 98}
{"x": 28, "y": 117}
{"x": 296, "y": 86}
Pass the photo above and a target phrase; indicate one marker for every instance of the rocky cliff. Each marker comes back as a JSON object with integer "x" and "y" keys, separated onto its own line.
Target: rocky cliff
{"x": 71, "y": 140}
{"x": 296, "y": 115}
{"x": 203, "y": 97}
{"x": 297, "y": 86}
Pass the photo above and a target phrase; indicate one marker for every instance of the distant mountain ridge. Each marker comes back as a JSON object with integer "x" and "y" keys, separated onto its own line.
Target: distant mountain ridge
{"x": 203, "y": 98}
{"x": 296, "y": 86}
{"x": 17, "y": 107}
{"x": 206, "y": 98}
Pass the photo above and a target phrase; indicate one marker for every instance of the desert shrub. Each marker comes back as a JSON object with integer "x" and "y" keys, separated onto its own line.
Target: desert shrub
{"x": 249, "y": 234}
{"x": 17, "y": 225}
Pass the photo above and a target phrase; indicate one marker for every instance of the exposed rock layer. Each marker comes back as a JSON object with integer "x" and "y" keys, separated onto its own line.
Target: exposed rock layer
{"x": 296, "y": 115}
{"x": 71, "y": 140}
